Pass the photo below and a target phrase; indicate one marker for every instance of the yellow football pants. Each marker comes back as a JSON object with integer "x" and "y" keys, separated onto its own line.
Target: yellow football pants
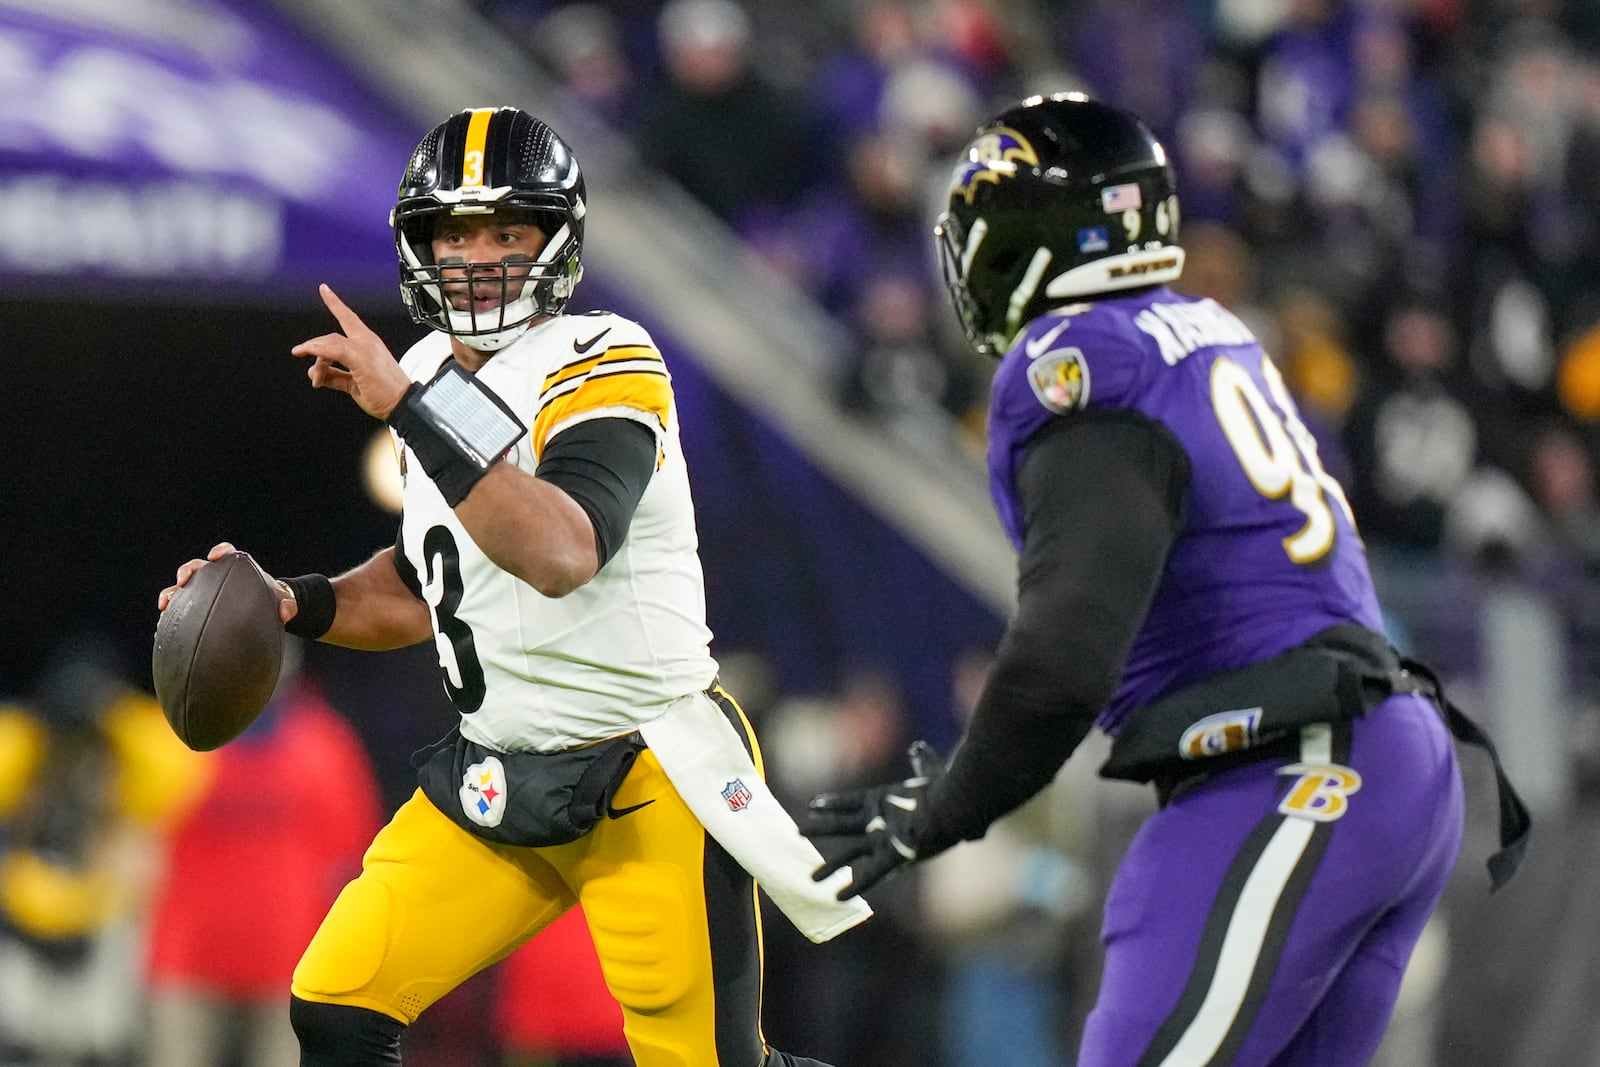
{"x": 674, "y": 920}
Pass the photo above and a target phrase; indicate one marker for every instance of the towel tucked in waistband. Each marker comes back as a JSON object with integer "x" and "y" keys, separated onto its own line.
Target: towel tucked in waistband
{"x": 706, "y": 761}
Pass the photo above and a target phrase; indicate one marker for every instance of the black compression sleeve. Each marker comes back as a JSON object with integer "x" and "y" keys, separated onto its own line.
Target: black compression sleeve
{"x": 605, "y": 465}
{"x": 1102, "y": 502}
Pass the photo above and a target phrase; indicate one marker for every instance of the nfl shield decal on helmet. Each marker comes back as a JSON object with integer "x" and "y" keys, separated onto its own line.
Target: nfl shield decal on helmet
{"x": 1060, "y": 380}
{"x": 483, "y": 792}
{"x": 737, "y": 795}
{"x": 1093, "y": 239}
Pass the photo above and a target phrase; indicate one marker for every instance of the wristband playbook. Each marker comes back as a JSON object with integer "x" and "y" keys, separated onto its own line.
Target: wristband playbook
{"x": 457, "y": 427}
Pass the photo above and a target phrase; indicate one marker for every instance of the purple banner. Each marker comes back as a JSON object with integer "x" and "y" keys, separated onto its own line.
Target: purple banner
{"x": 210, "y": 148}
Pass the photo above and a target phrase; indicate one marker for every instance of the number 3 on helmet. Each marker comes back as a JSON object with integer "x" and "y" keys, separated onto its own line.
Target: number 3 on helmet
{"x": 1056, "y": 199}
{"x": 490, "y": 160}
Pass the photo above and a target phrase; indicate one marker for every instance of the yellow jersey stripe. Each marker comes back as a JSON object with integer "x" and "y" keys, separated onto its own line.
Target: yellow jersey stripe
{"x": 611, "y": 355}
{"x": 576, "y": 369}
{"x": 571, "y": 385}
{"x": 585, "y": 365}
{"x": 472, "y": 152}
{"x": 648, "y": 391}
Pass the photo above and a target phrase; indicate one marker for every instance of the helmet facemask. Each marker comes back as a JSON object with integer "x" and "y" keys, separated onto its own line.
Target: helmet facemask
{"x": 956, "y": 249}
{"x": 528, "y": 288}
{"x": 480, "y": 163}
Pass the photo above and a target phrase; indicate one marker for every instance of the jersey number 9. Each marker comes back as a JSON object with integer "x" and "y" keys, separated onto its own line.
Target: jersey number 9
{"x": 1278, "y": 453}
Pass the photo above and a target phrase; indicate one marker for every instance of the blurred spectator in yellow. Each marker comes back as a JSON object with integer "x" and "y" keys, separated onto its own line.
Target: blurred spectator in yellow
{"x": 90, "y": 777}
{"x": 1320, "y": 371}
{"x": 1579, "y": 376}
{"x": 290, "y": 806}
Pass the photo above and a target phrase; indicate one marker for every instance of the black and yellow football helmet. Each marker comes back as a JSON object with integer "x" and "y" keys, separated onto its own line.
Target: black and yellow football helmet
{"x": 479, "y": 161}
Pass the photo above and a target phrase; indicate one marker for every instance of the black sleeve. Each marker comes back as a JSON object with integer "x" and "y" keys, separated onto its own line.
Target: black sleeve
{"x": 603, "y": 464}
{"x": 1102, "y": 501}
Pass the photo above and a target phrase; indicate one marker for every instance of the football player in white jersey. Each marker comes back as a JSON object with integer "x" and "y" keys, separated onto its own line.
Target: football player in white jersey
{"x": 548, "y": 547}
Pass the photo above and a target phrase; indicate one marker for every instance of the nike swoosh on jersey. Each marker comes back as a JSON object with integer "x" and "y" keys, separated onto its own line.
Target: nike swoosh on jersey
{"x": 582, "y": 347}
{"x": 1040, "y": 345}
{"x": 613, "y": 812}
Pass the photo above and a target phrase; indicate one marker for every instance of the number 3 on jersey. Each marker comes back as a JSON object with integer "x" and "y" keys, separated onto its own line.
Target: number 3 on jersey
{"x": 1278, "y": 453}
{"x": 442, "y": 589}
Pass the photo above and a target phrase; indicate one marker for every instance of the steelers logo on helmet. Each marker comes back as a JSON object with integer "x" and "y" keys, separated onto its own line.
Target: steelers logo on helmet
{"x": 1056, "y": 200}
{"x": 480, "y": 162}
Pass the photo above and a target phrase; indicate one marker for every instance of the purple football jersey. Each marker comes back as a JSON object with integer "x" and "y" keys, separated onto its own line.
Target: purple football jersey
{"x": 1268, "y": 554}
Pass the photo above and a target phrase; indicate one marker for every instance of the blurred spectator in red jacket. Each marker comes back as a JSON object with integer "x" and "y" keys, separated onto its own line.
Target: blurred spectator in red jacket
{"x": 552, "y": 1007}
{"x": 291, "y": 805}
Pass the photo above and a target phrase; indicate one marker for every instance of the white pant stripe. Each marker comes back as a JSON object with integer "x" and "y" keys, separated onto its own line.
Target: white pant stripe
{"x": 1247, "y": 930}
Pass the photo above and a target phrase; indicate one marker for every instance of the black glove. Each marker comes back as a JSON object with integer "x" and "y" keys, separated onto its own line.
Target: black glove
{"x": 883, "y": 827}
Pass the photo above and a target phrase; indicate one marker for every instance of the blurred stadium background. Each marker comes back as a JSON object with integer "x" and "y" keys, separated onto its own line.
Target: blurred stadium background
{"x": 1402, "y": 197}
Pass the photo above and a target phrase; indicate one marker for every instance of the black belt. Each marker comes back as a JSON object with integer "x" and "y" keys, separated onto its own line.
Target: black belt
{"x": 1257, "y": 711}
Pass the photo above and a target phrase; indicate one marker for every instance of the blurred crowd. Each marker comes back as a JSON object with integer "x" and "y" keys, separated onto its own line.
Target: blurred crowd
{"x": 154, "y": 900}
{"x": 1402, "y": 197}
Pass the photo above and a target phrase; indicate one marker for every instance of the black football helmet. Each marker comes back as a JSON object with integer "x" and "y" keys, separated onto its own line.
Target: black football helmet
{"x": 1056, "y": 199}
{"x": 479, "y": 161}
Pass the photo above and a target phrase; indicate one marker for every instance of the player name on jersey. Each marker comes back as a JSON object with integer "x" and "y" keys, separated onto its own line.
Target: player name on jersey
{"x": 1182, "y": 328}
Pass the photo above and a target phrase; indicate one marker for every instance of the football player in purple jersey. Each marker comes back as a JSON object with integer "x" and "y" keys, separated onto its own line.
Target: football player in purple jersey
{"x": 1193, "y": 584}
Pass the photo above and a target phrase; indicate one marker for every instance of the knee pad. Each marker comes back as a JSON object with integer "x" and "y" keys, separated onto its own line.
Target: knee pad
{"x": 640, "y": 935}
{"x": 340, "y": 1035}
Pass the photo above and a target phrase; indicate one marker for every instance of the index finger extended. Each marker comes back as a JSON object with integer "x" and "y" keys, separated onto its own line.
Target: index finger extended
{"x": 349, "y": 321}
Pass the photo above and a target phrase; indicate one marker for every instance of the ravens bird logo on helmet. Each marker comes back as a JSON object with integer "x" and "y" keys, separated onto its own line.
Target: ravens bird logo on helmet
{"x": 1055, "y": 200}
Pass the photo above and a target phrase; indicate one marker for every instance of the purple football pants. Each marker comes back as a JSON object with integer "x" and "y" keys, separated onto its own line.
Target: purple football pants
{"x": 1266, "y": 917}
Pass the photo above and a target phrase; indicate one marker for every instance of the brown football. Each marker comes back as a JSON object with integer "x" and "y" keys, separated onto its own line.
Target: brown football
{"x": 218, "y": 650}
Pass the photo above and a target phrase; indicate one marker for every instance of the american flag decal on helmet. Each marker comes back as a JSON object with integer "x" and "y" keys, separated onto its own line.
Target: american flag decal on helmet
{"x": 1124, "y": 197}
{"x": 737, "y": 795}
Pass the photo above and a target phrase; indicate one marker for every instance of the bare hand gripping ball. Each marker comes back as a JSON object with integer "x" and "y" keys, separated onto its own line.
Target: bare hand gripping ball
{"x": 218, "y": 650}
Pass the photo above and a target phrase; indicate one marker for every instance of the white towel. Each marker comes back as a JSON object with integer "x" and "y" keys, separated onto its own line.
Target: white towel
{"x": 706, "y": 761}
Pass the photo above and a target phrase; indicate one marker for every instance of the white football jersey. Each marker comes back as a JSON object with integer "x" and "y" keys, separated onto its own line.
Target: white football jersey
{"x": 534, "y": 673}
